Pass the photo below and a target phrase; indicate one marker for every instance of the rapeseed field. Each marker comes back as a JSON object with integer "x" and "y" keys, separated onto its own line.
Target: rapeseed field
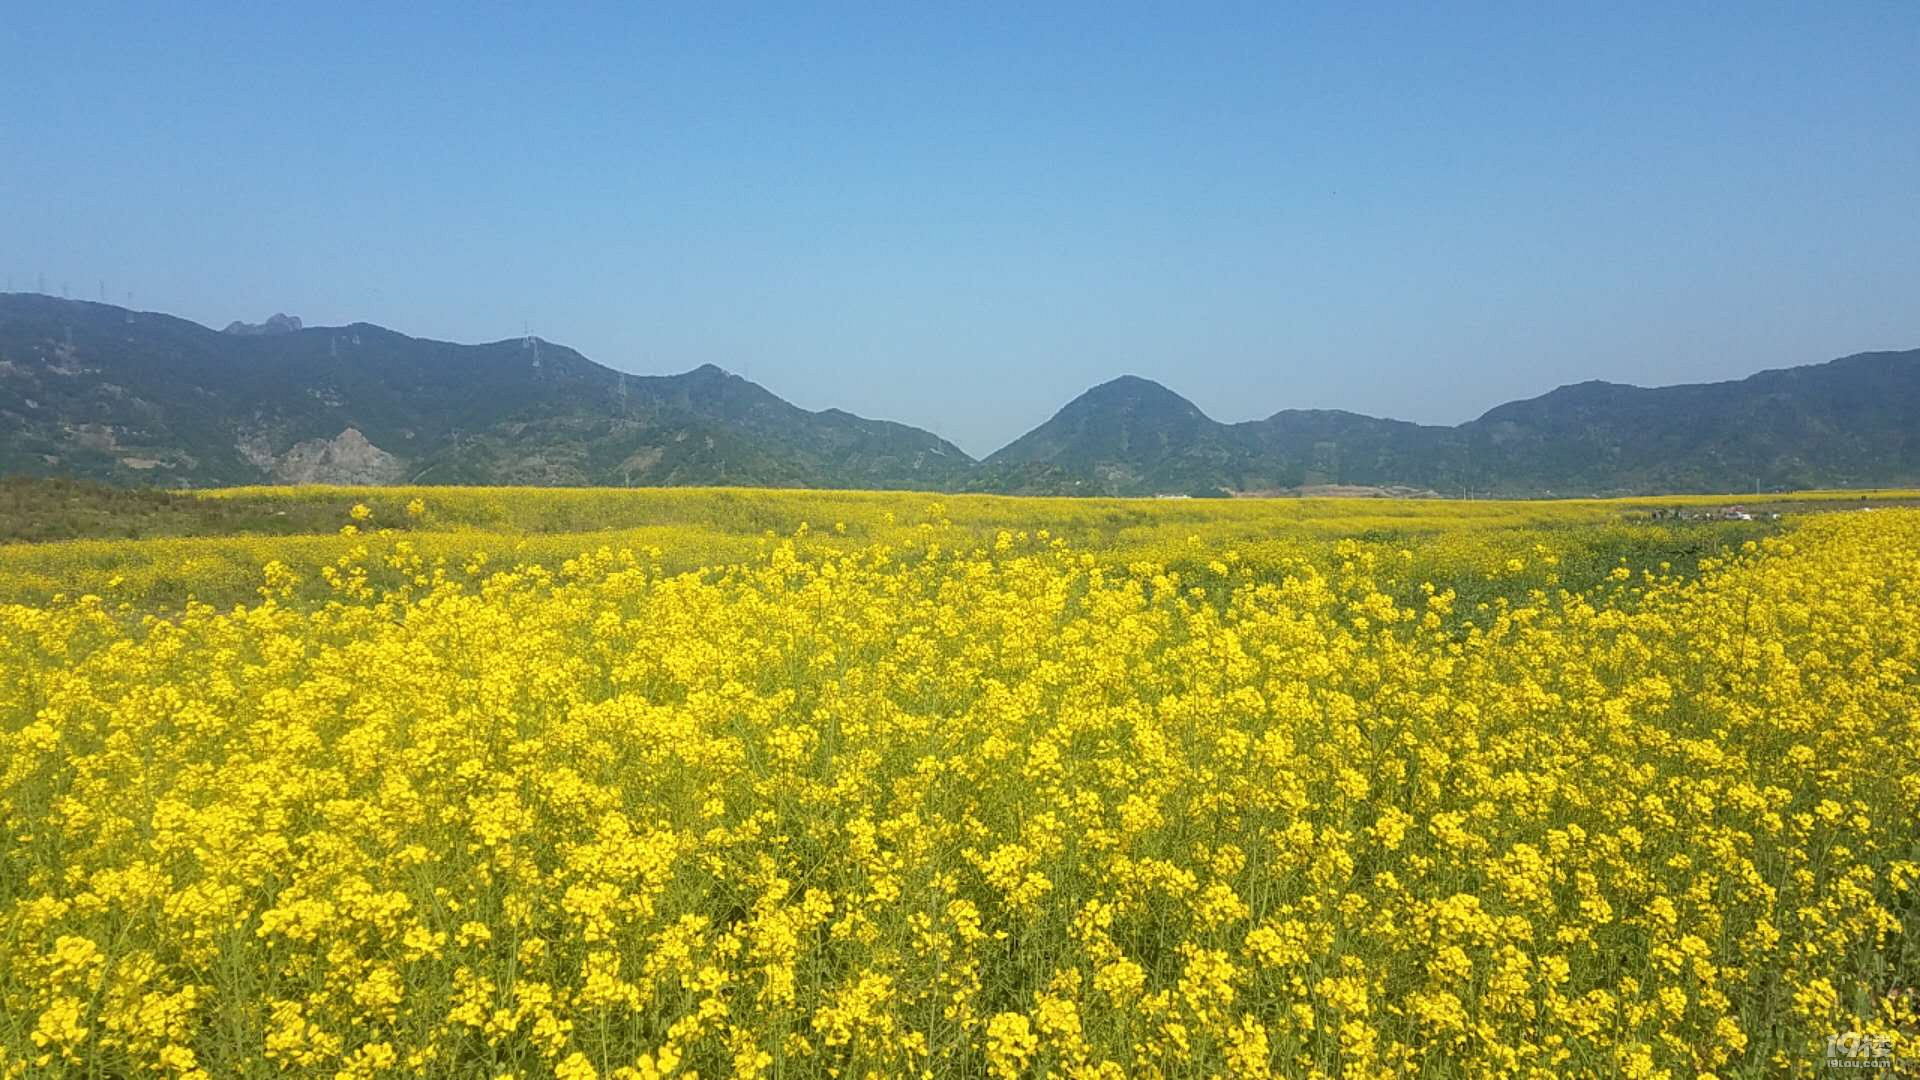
{"x": 996, "y": 788}
{"x": 697, "y": 527}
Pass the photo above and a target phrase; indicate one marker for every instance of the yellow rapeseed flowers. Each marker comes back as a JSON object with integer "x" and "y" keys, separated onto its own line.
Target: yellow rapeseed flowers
{"x": 884, "y": 800}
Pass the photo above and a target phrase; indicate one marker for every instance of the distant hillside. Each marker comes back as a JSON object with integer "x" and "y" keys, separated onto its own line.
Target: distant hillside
{"x": 1852, "y": 422}
{"x": 104, "y": 393}
{"x": 101, "y": 392}
{"x": 1128, "y": 436}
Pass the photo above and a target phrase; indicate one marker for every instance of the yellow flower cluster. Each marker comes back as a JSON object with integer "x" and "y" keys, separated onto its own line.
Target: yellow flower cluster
{"x": 1506, "y": 541}
{"x": 1000, "y": 809}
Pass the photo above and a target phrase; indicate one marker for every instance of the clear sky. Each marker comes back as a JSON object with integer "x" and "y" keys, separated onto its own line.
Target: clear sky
{"x": 960, "y": 220}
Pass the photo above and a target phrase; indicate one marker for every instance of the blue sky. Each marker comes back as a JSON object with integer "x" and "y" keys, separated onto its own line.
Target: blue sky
{"x": 960, "y": 219}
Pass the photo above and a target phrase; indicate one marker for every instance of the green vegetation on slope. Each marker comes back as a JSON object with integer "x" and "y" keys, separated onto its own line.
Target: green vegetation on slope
{"x": 104, "y": 393}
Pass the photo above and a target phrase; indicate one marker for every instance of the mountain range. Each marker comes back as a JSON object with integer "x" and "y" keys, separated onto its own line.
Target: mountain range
{"x": 106, "y": 393}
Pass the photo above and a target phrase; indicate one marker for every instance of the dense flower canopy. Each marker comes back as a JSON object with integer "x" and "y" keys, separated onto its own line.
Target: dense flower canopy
{"x": 1005, "y": 810}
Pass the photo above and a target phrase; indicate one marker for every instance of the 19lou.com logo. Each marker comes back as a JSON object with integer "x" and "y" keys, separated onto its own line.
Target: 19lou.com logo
{"x": 1859, "y": 1050}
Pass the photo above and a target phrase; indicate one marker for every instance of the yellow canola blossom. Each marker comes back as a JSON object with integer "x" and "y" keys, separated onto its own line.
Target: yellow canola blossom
{"x": 924, "y": 806}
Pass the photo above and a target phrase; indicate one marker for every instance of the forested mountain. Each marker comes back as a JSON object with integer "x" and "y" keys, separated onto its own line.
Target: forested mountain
{"x": 101, "y": 392}
{"x": 1848, "y": 423}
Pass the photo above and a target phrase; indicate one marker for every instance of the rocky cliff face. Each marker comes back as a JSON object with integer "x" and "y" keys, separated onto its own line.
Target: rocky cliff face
{"x": 347, "y": 458}
{"x": 278, "y": 323}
